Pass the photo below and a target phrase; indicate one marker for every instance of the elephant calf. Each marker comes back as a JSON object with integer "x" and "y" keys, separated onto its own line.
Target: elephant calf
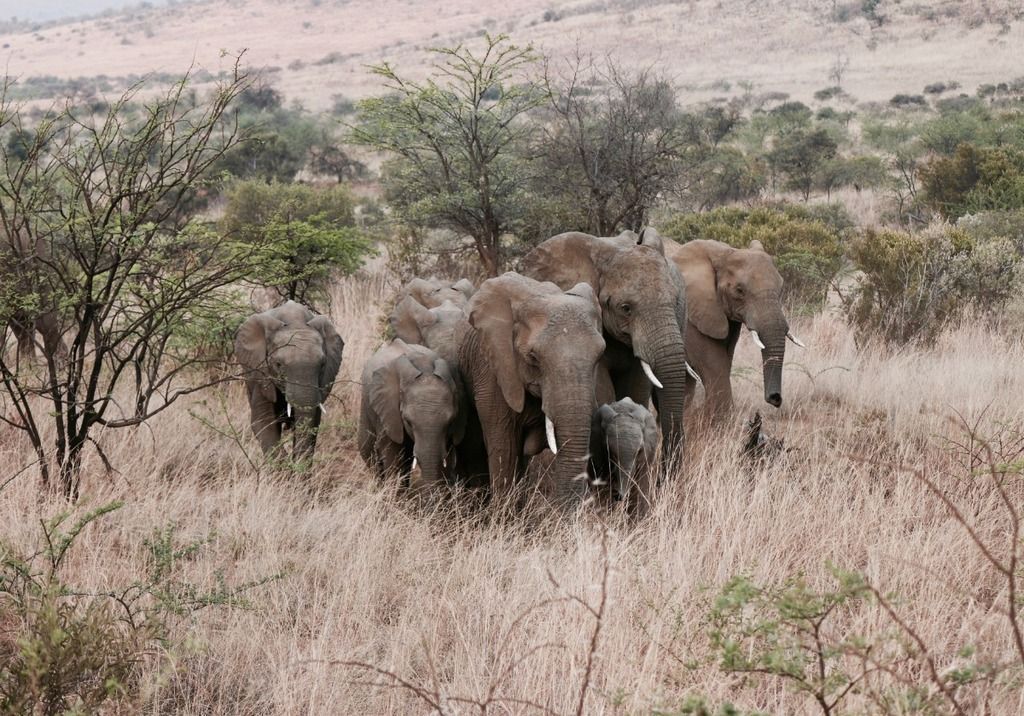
{"x": 291, "y": 357}
{"x": 412, "y": 410}
{"x": 623, "y": 439}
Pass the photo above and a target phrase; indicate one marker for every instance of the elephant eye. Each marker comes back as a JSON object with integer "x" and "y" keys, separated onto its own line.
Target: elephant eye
{"x": 532, "y": 358}
{"x": 626, "y": 308}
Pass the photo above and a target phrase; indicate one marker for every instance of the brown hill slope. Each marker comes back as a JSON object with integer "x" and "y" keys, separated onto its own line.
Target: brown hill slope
{"x": 321, "y": 47}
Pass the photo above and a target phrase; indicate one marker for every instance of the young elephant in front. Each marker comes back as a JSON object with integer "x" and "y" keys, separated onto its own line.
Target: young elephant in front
{"x": 623, "y": 438}
{"x": 412, "y": 411}
{"x": 291, "y": 357}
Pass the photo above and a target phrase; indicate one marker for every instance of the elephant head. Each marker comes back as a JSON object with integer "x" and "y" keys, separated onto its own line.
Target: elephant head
{"x": 416, "y": 393}
{"x": 541, "y": 347}
{"x": 724, "y": 286}
{"x": 436, "y": 328}
{"x": 291, "y": 357}
{"x": 643, "y": 304}
{"x": 432, "y": 292}
{"x": 624, "y": 437}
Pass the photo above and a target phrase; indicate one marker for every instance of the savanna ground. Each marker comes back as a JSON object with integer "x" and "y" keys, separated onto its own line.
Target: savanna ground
{"x": 465, "y": 606}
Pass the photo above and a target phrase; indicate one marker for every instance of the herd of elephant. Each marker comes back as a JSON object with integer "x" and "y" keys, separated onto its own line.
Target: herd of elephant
{"x": 557, "y": 366}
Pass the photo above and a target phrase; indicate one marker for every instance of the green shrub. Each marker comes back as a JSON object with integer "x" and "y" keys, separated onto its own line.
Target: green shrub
{"x": 914, "y": 284}
{"x": 806, "y": 242}
{"x": 307, "y": 234}
{"x": 974, "y": 179}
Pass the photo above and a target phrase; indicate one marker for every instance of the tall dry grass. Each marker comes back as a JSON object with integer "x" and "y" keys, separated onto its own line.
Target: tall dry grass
{"x": 457, "y": 604}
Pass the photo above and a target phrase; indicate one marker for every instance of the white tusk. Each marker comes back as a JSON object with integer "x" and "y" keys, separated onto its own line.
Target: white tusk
{"x": 413, "y": 462}
{"x": 323, "y": 409}
{"x": 549, "y": 428}
{"x": 599, "y": 482}
{"x": 650, "y": 374}
{"x": 796, "y": 340}
{"x": 444, "y": 462}
{"x": 693, "y": 373}
{"x": 289, "y": 410}
{"x": 757, "y": 339}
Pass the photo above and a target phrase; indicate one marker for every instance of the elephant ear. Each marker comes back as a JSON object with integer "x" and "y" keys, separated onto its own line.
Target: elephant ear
{"x": 251, "y": 343}
{"x": 586, "y": 292}
{"x": 334, "y": 346}
{"x": 491, "y": 315}
{"x": 605, "y": 415}
{"x": 386, "y": 398}
{"x": 650, "y": 237}
{"x": 408, "y": 318}
{"x": 420, "y": 288}
{"x": 465, "y": 287}
{"x": 702, "y": 307}
{"x": 756, "y": 245}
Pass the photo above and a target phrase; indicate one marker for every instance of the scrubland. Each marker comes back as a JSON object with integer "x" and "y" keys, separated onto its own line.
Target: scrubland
{"x": 369, "y": 603}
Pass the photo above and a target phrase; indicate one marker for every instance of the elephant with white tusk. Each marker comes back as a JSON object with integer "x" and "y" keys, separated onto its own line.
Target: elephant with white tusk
{"x": 291, "y": 357}
{"x": 643, "y": 313}
{"x": 529, "y": 361}
{"x": 726, "y": 289}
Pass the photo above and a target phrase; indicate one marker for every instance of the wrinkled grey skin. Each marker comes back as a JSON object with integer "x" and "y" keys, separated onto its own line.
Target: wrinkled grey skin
{"x": 623, "y": 440}
{"x": 412, "y": 406}
{"x": 643, "y": 311}
{"x": 291, "y": 357}
{"x": 432, "y": 292}
{"x": 436, "y": 328}
{"x": 726, "y": 289}
{"x": 531, "y": 351}
{"x": 442, "y": 329}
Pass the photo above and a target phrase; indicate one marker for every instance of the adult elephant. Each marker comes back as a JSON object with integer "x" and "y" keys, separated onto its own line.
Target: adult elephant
{"x": 728, "y": 288}
{"x": 22, "y": 263}
{"x": 291, "y": 356}
{"x": 643, "y": 312}
{"x": 436, "y": 328}
{"x": 529, "y": 360}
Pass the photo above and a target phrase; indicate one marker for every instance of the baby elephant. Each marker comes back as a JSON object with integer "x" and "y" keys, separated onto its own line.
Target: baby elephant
{"x": 623, "y": 438}
{"x": 412, "y": 412}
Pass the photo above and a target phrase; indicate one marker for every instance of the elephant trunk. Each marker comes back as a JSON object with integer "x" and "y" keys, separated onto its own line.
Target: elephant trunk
{"x": 771, "y": 329}
{"x": 623, "y": 465}
{"x": 429, "y": 447}
{"x": 303, "y": 396}
{"x": 572, "y": 423}
{"x": 660, "y": 344}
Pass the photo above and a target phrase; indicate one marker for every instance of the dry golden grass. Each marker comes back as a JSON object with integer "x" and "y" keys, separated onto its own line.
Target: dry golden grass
{"x": 457, "y": 605}
{"x": 778, "y": 45}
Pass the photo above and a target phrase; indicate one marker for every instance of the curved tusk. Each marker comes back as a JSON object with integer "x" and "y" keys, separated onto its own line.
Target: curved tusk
{"x": 444, "y": 462}
{"x": 757, "y": 339}
{"x": 414, "y": 462}
{"x": 796, "y": 340}
{"x": 289, "y": 409}
{"x": 650, "y": 374}
{"x": 693, "y": 373}
{"x": 323, "y": 409}
{"x": 549, "y": 428}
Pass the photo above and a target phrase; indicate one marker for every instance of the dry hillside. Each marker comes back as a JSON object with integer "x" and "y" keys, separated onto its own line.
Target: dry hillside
{"x": 320, "y": 48}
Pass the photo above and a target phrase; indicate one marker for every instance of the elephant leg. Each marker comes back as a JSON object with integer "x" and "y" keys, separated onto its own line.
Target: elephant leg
{"x": 712, "y": 361}
{"x": 263, "y": 421}
{"x": 396, "y": 464}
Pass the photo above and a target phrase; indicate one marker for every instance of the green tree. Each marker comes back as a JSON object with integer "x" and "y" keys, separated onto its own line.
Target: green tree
{"x": 96, "y": 202}
{"x": 456, "y": 142}
{"x": 800, "y": 155}
{"x": 974, "y": 179}
{"x": 304, "y": 233}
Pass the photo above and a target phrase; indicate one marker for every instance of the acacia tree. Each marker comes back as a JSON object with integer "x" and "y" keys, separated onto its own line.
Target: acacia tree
{"x": 456, "y": 139}
{"x": 90, "y": 214}
{"x": 616, "y": 142}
